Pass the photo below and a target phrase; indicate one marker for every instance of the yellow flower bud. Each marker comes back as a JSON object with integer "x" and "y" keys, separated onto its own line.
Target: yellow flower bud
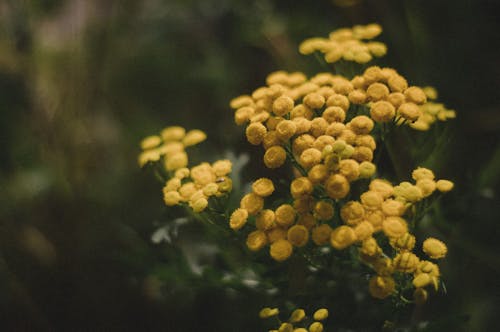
{"x": 370, "y": 247}
{"x": 263, "y": 187}
{"x": 298, "y": 235}
{"x": 363, "y": 230}
{"x": 174, "y": 133}
{"x": 243, "y": 114}
{"x": 285, "y": 327}
{"x": 337, "y": 186}
{"x": 429, "y": 268}
{"x": 252, "y": 203}
{"x": 276, "y": 233}
{"x": 176, "y": 161}
{"x": 307, "y": 220}
{"x": 362, "y": 153}
{"x": 182, "y": 173}
{"x": 349, "y": 168}
{"x": 203, "y": 174}
{"x": 361, "y": 125}
{"x": 255, "y": 133}
{"x": 382, "y": 111}
{"x": 352, "y": 212}
{"x": 310, "y": 157}
{"x": 357, "y": 97}
{"x": 416, "y": 95}
{"x": 392, "y": 207}
{"x": 381, "y": 287}
{"x": 372, "y": 74}
{"x": 268, "y": 312}
{"x": 303, "y": 111}
{"x": 187, "y": 190}
{"x": 222, "y": 167}
{"x": 286, "y": 129}
{"x": 314, "y": 100}
{"x": 302, "y": 124}
{"x": 323, "y": 210}
{"x": 397, "y": 83}
{"x": 321, "y": 314}
{"x": 396, "y": 99}
{"x": 194, "y": 137}
{"x": 434, "y": 248}
{"x": 377, "y": 91}
{"x": 172, "y": 184}
{"x": 171, "y": 197}
{"x": 301, "y": 187}
{"x": 382, "y": 186}
{"x": 338, "y": 100}
{"x": 240, "y": 101}
{"x": 199, "y": 205}
{"x": 342, "y": 237}
{"x": 316, "y": 327}
{"x": 394, "y": 227}
{"x": 321, "y": 234}
{"x": 371, "y": 200}
{"x": 367, "y": 169}
{"x": 444, "y": 185}
{"x": 274, "y": 157}
{"x": 317, "y": 173}
{"x": 150, "y": 142}
{"x": 302, "y": 143}
{"x": 281, "y": 250}
{"x": 333, "y": 114}
{"x": 303, "y": 204}
{"x": 427, "y": 186}
{"x": 376, "y": 218}
{"x": 406, "y": 262}
{"x": 238, "y": 219}
{"x": 409, "y": 111}
{"x": 377, "y": 49}
{"x": 297, "y": 316}
{"x": 210, "y": 189}
{"x": 285, "y": 215}
{"x": 265, "y": 220}
{"x": 256, "y": 240}
{"x": 421, "y": 280}
{"x": 318, "y": 126}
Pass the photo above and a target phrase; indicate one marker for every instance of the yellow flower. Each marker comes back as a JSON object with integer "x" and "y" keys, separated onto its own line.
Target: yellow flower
{"x": 285, "y": 327}
{"x": 222, "y": 167}
{"x": 268, "y": 312}
{"x": 317, "y": 173}
{"x": 427, "y": 186}
{"x": 194, "y": 137}
{"x": 381, "y": 287}
{"x": 256, "y": 240}
{"x": 321, "y": 234}
{"x": 150, "y": 142}
{"x": 225, "y": 184}
{"x": 394, "y": 227}
{"x": 371, "y": 200}
{"x": 203, "y": 174}
{"x": 174, "y": 133}
{"x": 349, "y": 168}
{"x": 199, "y": 205}
{"x": 285, "y": 215}
{"x": 392, "y": 207}
{"x": 377, "y": 91}
{"x": 416, "y": 95}
{"x": 263, "y": 187}
{"x": 337, "y": 186}
{"x": 314, "y": 100}
{"x": 300, "y": 187}
{"x": 429, "y": 268}
{"x": 363, "y": 230}
{"x": 286, "y": 129}
{"x": 361, "y": 125}
{"x": 238, "y": 219}
{"x": 434, "y": 248}
{"x": 187, "y": 190}
{"x": 444, "y": 185}
{"x": 370, "y": 247}
{"x": 316, "y": 327}
{"x": 334, "y": 114}
{"x": 382, "y": 186}
{"x": 367, "y": 169}
{"x": 376, "y": 218}
{"x": 405, "y": 242}
{"x": 280, "y": 250}
{"x": 282, "y": 105}
{"x": 172, "y": 184}
{"x": 342, "y": 237}
{"x": 265, "y": 220}
{"x": 307, "y": 220}
{"x": 422, "y": 173}
{"x": 210, "y": 189}
{"x": 310, "y": 157}
{"x": 382, "y": 111}
{"x": 176, "y": 161}
{"x": 323, "y": 210}
{"x": 421, "y": 280}
{"x": 318, "y": 126}
{"x": 396, "y": 99}
{"x": 339, "y": 100}
{"x": 352, "y": 212}
{"x": 252, "y": 203}
{"x": 297, "y": 316}
{"x": 275, "y": 234}
{"x": 182, "y": 173}
{"x": 171, "y": 197}
{"x": 409, "y": 111}
{"x": 255, "y": 133}
{"x": 372, "y": 74}
{"x": 147, "y": 156}
{"x": 274, "y": 157}
{"x": 240, "y": 101}
{"x": 321, "y": 314}
{"x": 405, "y": 262}
{"x": 243, "y": 114}
{"x": 298, "y": 235}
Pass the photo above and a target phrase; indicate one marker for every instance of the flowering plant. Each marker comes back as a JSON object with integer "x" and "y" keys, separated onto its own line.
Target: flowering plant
{"x": 328, "y": 209}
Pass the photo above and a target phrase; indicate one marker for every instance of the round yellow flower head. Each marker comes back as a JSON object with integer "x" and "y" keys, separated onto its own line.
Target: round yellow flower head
{"x": 421, "y": 280}
{"x": 428, "y": 268}
{"x": 148, "y": 156}
{"x": 420, "y": 296}
{"x": 285, "y": 215}
{"x": 352, "y": 212}
{"x": 370, "y": 247}
{"x": 240, "y": 101}
{"x": 252, "y": 203}
{"x": 182, "y": 173}
{"x": 298, "y": 235}
{"x": 300, "y": 329}
{"x": 323, "y": 210}
{"x": 238, "y": 219}
{"x": 301, "y": 187}
{"x": 408, "y": 192}
{"x": 297, "y": 316}
{"x": 371, "y": 200}
{"x": 310, "y": 157}
{"x": 357, "y": 97}
{"x": 170, "y": 148}
{"x": 172, "y": 184}
{"x": 372, "y": 74}
{"x": 194, "y": 137}
{"x": 381, "y": 186}
{"x": 263, "y": 187}
{"x": 171, "y": 198}
{"x": 282, "y": 105}
{"x": 337, "y": 186}
{"x": 307, "y": 220}
{"x": 255, "y": 133}
{"x": 342, "y": 237}
{"x": 321, "y": 234}
{"x": 176, "y": 161}
{"x": 377, "y": 91}
{"x": 427, "y": 186}
{"x": 321, "y": 314}
{"x": 318, "y": 126}
{"x": 444, "y": 185}
{"x": 203, "y": 174}
{"x": 243, "y": 115}
{"x": 286, "y": 129}
{"x": 222, "y": 167}
{"x": 405, "y": 262}
{"x": 367, "y": 169}
{"x": 382, "y": 111}
{"x": 392, "y": 207}
{"x": 416, "y": 95}
{"x": 339, "y": 100}
{"x": 361, "y": 125}
{"x": 381, "y": 287}
{"x": 256, "y": 240}
{"x": 363, "y": 230}
{"x": 281, "y": 250}
{"x": 422, "y": 173}
{"x": 225, "y": 184}
{"x": 397, "y": 83}
{"x": 376, "y": 218}
{"x": 210, "y": 189}
{"x": 174, "y": 133}
{"x": 409, "y": 111}
{"x": 199, "y": 205}
{"x": 405, "y": 242}
{"x": 276, "y": 233}
{"x": 396, "y": 99}
{"x": 394, "y": 227}
{"x": 317, "y": 173}
{"x": 285, "y": 327}
{"x": 316, "y": 327}
{"x": 434, "y": 248}
{"x": 187, "y": 190}
{"x": 274, "y": 157}
{"x": 265, "y": 220}
{"x": 268, "y": 312}
{"x": 366, "y": 140}
{"x": 314, "y": 100}
{"x": 150, "y": 142}
{"x": 378, "y": 49}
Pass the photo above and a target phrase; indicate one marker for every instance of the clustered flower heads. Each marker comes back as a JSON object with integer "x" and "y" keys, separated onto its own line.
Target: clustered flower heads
{"x": 298, "y": 320}
{"x": 432, "y": 112}
{"x": 347, "y": 44}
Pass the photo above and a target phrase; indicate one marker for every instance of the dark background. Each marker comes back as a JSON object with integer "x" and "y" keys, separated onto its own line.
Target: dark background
{"x": 81, "y": 82}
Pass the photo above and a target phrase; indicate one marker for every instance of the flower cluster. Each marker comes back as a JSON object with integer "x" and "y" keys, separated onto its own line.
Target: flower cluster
{"x": 170, "y": 146}
{"x": 347, "y": 44}
{"x": 432, "y": 112}
{"x": 297, "y": 321}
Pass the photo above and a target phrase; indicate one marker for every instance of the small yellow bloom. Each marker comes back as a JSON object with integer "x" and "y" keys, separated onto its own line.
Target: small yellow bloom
{"x": 318, "y": 126}
{"x": 382, "y": 111}
{"x": 323, "y": 210}
{"x": 334, "y": 114}
{"x": 298, "y": 235}
{"x": 396, "y": 99}
{"x": 182, "y": 173}
{"x": 384, "y": 187}
{"x": 316, "y": 327}
{"x": 397, "y": 83}
{"x": 274, "y": 157}
{"x": 421, "y": 280}
{"x": 238, "y": 219}
{"x": 371, "y": 200}
{"x": 434, "y": 248}
{"x": 282, "y": 105}
{"x": 171, "y": 197}
{"x": 255, "y": 133}
{"x": 256, "y": 240}
{"x": 342, "y": 237}
{"x": 337, "y": 186}
{"x": 268, "y": 312}
{"x": 148, "y": 156}
{"x": 352, "y": 212}
{"x": 252, "y": 203}
{"x": 377, "y": 91}
{"x": 194, "y": 137}
{"x": 203, "y": 174}
{"x": 321, "y": 314}
{"x": 381, "y": 287}
{"x": 357, "y": 96}
{"x": 370, "y": 247}
{"x": 367, "y": 169}
{"x": 317, "y": 173}
{"x": 405, "y": 242}
{"x": 222, "y": 167}
{"x": 416, "y": 95}
{"x": 199, "y": 205}
{"x": 310, "y": 157}
{"x": 406, "y": 262}
{"x": 174, "y": 133}
{"x": 285, "y": 215}
{"x": 275, "y": 234}
{"x": 376, "y": 218}
{"x": 263, "y": 187}
{"x": 392, "y": 207}
{"x": 409, "y": 111}
{"x": 444, "y": 185}
{"x": 187, "y": 190}
{"x": 427, "y": 186}
{"x": 176, "y": 161}
{"x": 321, "y": 234}
{"x": 394, "y": 227}
{"x": 297, "y": 316}
{"x": 300, "y": 187}
{"x": 349, "y": 168}
{"x": 307, "y": 220}
{"x": 150, "y": 142}
{"x": 286, "y": 129}
{"x": 422, "y": 173}
{"x": 363, "y": 230}
{"x": 281, "y": 250}
{"x": 210, "y": 189}
{"x": 285, "y": 327}
{"x": 314, "y": 100}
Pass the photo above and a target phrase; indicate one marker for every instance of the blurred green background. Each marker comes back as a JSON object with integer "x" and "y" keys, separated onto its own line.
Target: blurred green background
{"x": 82, "y": 81}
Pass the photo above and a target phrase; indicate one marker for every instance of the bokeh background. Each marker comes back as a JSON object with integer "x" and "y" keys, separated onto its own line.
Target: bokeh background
{"x": 82, "y": 81}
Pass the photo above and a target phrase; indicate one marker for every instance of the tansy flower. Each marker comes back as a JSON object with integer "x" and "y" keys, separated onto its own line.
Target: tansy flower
{"x": 298, "y": 235}
{"x": 323, "y": 210}
{"x": 194, "y": 137}
{"x": 337, "y": 186}
{"x": 321, "y": 234}
{"x": 300, "y": 187}
{"x": 238, "y": 219}
{"x": 171, "y": 198}
{"x": 405, "y": 242}
{"x": 352, "y": 212}
{"x": 280, "y": 250}
{"x": 252, "y": 203}
{"x": 222, "y": 167}
{"x": 381, "y": 287}
{"x": 434, "y": 248}
{"x": 176, "y": 161}
{"x": 268, "y": 312}
{"x": 173, "y": 133}
{"x": 394, "y": 227}
{"x": 274, "y": 157}
{"x": 255, "y": 133}
{"x": 150, "y": 142}
{"x": 282, "y": 105}
{"x": 297, "y": 316}
{"x": 444, "y": 185}
{"x": 342, "y": 237}
{"x": 422, "y": 173}
{"x": 405, "y": 262}
{"x": 265, "y": 220}
{"x": 316, "y": 327}
{"x": 199, "y": 205}
{"x": 382, "y": 111}
{"x": 285, "y": 215}
{"x": 263, "y": 187}
{"x": 321, "y": 314}
{"x": 256, "y": 240}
